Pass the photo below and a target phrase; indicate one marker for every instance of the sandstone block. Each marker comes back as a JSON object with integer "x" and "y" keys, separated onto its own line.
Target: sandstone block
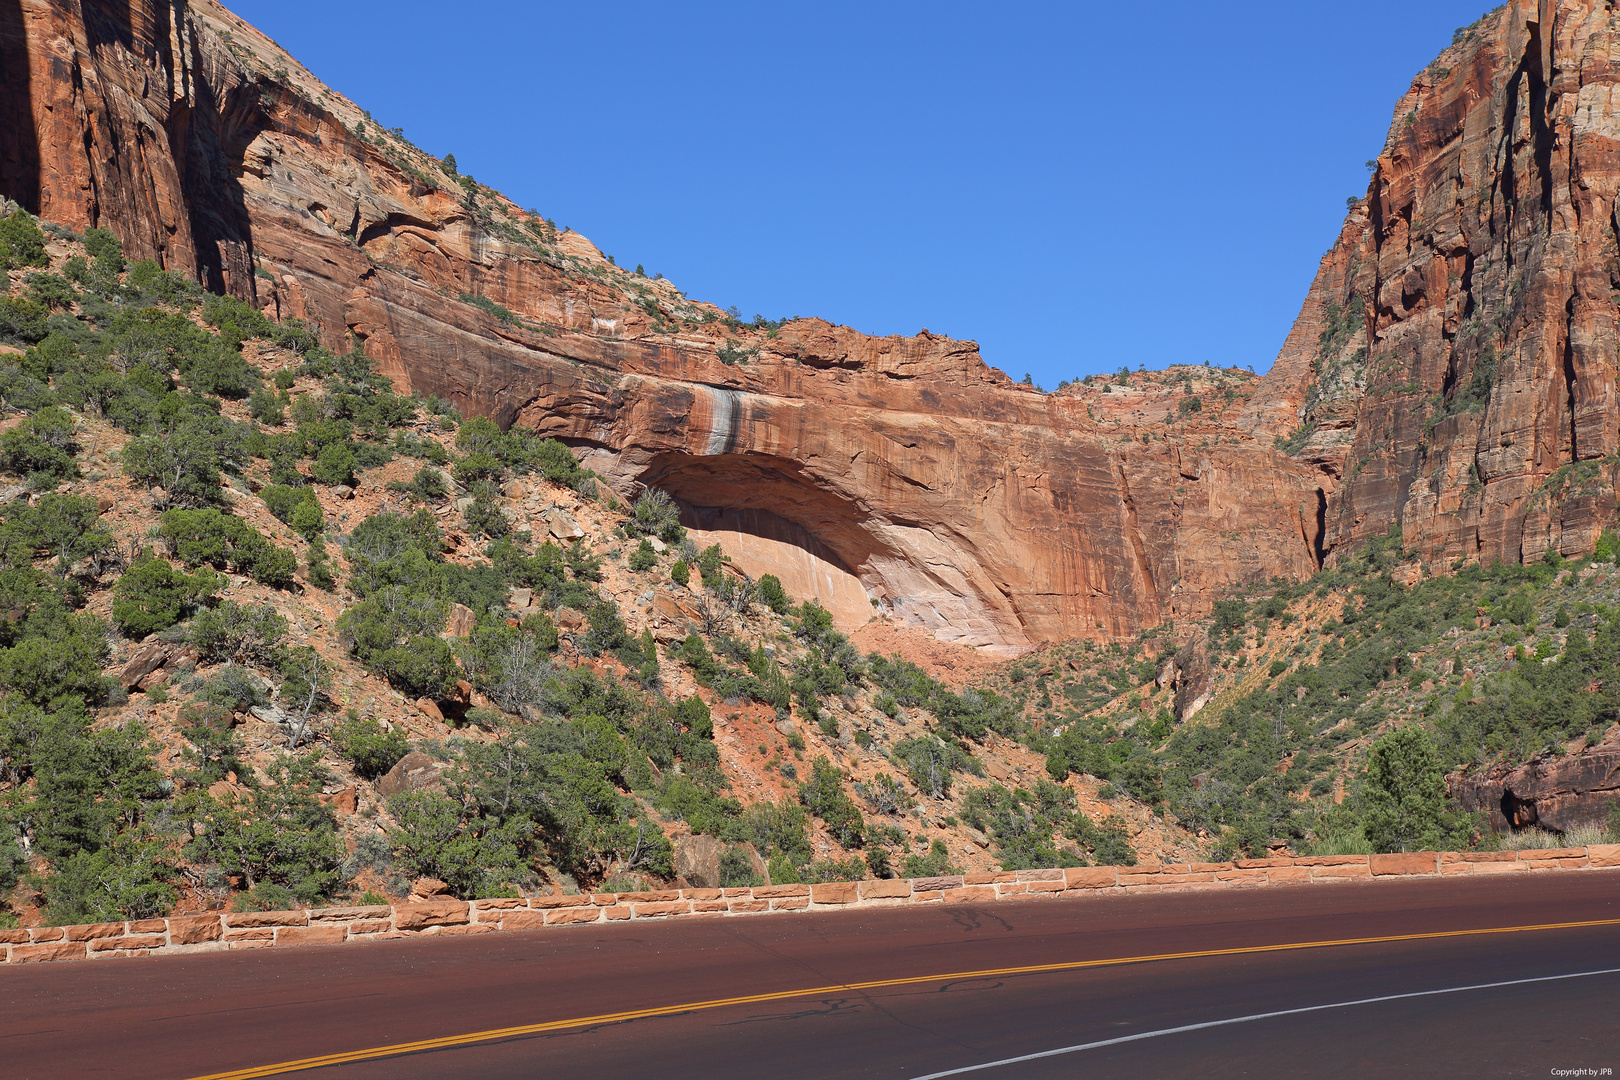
{"x": 935, "y": 884}
{"x": 251, "y": 943}
{"x": 791, "y": 903}
{"x": 773, "y": 892}
{"x": 1280, "y": 874}
{"x": 614, "y": 914}
{"x": 570, "y": 916}
{"x": 266, "y": 918}
{"x": 1040, "y": 875}
{"x": 885, "y": 890}
{"x": 1330, "y": 873}
{"x": 1409, "y": 863}
{"x": 710, "y": 905}
{"x": 1553, "y": 853}
{"x": 14, "y": 937}
{"x": 582, "y": 900}
{"x": 422, "y": 916}
{"x": 1604, "y": 854}
{"x": 52, "y": 950}
{"x": 504, "y": 903}
{"x": 1091, "y": 877}
{"x": 838, "y": 892}
{"x": 349, "y": 914}
{"x": 194, "y": 929}
{"x": 49, "y": 933}
{"x": 741, "y": 905}
{"x": 663, "y": 908}
{"x": 366, "y": 927}
{"x": 148, "y": 926}
{"x": 532, "y": 920}
{"x": 1501, "y": 868}
{"x": 311, "y": 935}
{"x": 95, "y": 930}
{"x": 700, "y": 894}
{"x": 970, "y": 894}
{"x": 135, "y": 941}
{"x": 1331, "y": 860}
{"x": 266, "y": 934}
{"x": 990, "y": 878}
{"x": 463, "y": 931}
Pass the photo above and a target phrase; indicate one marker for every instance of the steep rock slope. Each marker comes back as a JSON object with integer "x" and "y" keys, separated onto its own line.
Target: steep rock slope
{"x": 901, "y": 472}
{"x": 1457, "y": 351}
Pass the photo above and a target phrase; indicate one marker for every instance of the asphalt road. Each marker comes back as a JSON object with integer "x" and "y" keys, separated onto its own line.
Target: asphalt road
{"x": 190, "y": 1016}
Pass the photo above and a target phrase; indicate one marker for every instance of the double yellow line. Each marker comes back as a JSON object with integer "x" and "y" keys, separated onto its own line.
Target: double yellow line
{"x": 497, "y": 1034}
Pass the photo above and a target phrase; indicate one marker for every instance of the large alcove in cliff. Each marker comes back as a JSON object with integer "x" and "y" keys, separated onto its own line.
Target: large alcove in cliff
{"x": 772, "y": 520}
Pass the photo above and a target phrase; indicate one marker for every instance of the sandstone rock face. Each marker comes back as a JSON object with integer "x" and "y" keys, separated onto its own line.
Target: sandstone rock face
{"x": 697, "y": 861}
{"x": 1456, "y": 352}
{"x": 1453, "y": 367}
{"x": 896, "y": 470}
{"x": 1552, "y": 793}
{"x": 413, "y": 772}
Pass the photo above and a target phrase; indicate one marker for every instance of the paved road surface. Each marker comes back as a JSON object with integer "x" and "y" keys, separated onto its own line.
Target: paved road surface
{"x": 190, "y": 1016}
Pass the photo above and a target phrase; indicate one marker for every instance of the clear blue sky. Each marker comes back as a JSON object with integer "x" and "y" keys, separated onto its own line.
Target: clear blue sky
{"x": 1075, "y": 185}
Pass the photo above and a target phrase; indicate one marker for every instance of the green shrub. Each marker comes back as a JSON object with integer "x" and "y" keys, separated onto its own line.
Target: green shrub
{"x": 152, "y": 595}
{"x": 41, "y": 448}
{"x": 436, "y": 838}
{"x": 773, "y": 595}
{"x": 654, "y": 513}
{"x": 242, "y": 634}
{"x": 1406, "y": 795}
{"x": 825, "y": 797}
{"x": 737, "y": 869}
{"x": 21, "y": 241}
{"x": 282, "y": 836}
{"x": 643, "y": 558}
{"x": 334, "y": 465}
{"x": 679, "y": 573}
{"x": 369, "y": 748}
{"x": 937, "y": 863}
{"x": 266, "y": 408}
{"x": 207, "y": 536}
{"x": 127, "y": 879}
{"x": 308, "y": 520}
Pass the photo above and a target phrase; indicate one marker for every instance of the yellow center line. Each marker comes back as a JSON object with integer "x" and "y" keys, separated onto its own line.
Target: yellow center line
{"x": 498, "y": 1034}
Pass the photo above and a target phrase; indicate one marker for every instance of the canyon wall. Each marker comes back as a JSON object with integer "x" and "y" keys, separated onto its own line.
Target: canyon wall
{"x": 903, "y": 474}
{"x": 1453, "y": 368}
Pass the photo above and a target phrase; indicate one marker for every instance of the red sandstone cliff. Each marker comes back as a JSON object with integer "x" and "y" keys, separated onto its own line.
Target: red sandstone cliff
{"x": 902, "y": 470}
{"x": 1457, "y": 351}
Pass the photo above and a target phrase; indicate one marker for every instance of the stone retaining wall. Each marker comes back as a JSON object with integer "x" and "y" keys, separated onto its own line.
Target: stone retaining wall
{"x": 333, "y": 925}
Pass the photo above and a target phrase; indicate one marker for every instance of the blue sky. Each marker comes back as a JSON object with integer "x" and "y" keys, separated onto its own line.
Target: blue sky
{"x": 1075, "y": 186}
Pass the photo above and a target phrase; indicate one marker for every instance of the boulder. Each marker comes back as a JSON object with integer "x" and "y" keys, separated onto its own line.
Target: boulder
{"x": 461, "y": 621}
{"x": 430, "y": 709}
{"x": 697, "y": 861}
{"x": 1556, "y": 793}
{"x": 413, "y": 772}
{"x": 150, "y": 655}
{"x": 429, "y": 889}
{"x": 346, "y": 801}
{"x": 568, "y": 618}
{"x": 561, "y": 524}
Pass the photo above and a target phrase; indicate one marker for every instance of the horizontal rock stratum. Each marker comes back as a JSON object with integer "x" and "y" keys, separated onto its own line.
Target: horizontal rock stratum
{"x": 337, "y": 925}
{"x": 1454, "y": 358}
